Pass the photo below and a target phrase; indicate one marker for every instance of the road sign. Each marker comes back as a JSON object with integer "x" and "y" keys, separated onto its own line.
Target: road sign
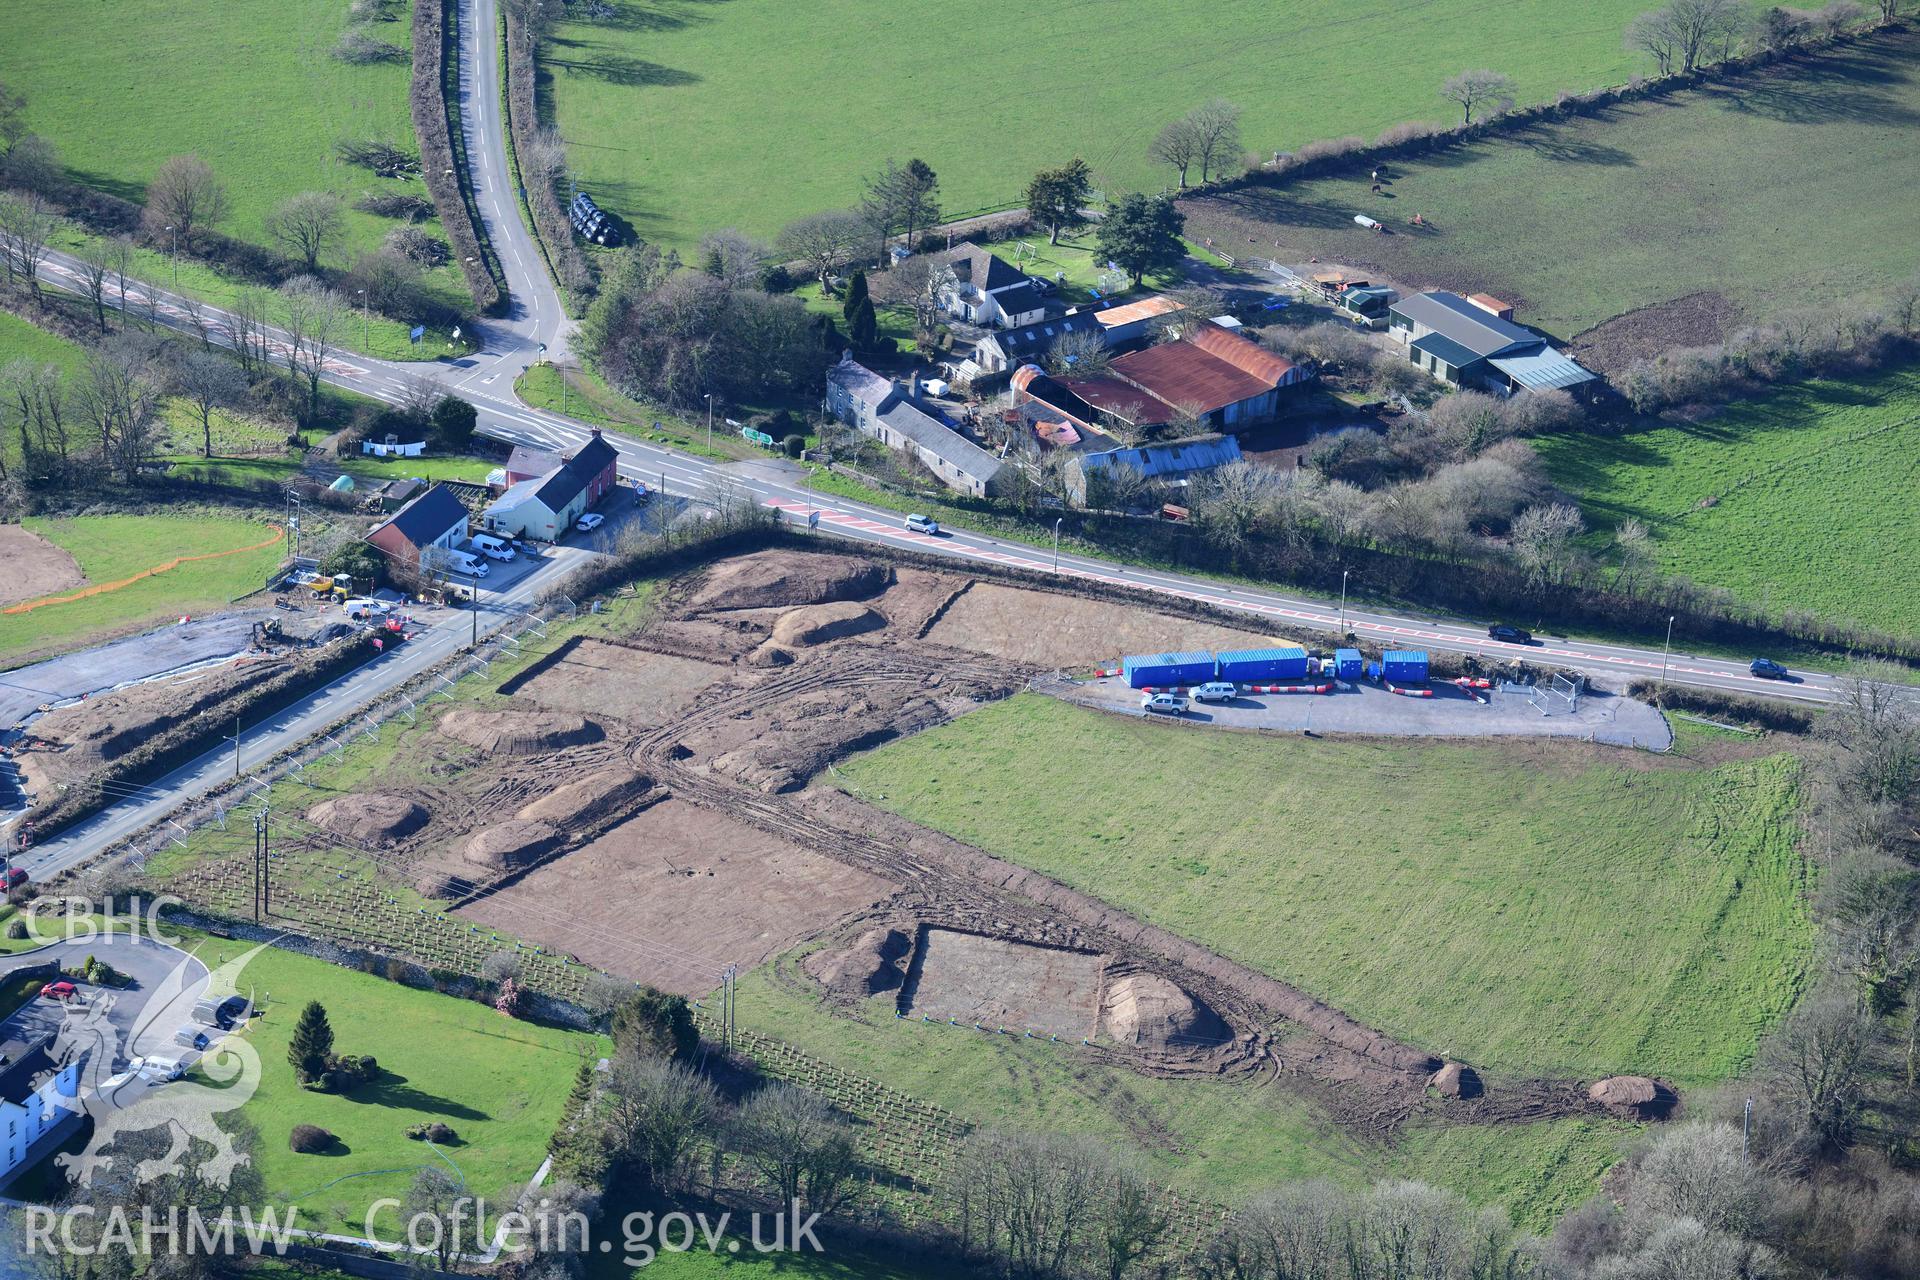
{"x": 418, "y": 332}
{"x": 813, "y": 519}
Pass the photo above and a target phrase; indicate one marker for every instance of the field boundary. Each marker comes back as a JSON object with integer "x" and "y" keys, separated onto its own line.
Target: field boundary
{"x": 432, "y": 125}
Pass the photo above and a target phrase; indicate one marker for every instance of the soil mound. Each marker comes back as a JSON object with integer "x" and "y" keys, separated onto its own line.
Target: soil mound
{"x": 818, "y": 623}
{"x": 1147, "y": 1011}
{"x": 518, "y": 733}
{"x": 582, "y": 803}
{"x": 1634, "y": 1097}
{"x": 1455, "y": 1080}
{"x": 775, "y": 579}
{"x": 868, "y": 966}
{"x": 372, "y": 818}
{"x": 511, "y": 845}
{"x": 35, "y": 566}
{"x": 770, "y": 655}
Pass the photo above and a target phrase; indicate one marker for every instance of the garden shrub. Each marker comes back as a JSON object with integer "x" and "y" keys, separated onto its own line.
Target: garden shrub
{"x": 308, "y": 1139}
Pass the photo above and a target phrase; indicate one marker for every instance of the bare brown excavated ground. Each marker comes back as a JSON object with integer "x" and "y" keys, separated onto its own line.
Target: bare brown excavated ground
{"x": 660, "y": 804}
{"x": 35, "y": 566}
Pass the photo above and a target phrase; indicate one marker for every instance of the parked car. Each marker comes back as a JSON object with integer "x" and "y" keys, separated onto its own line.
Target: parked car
{"x": 361, "y": 608}
{"x": 59, "y": 991}
{"x": 493, "y": 548}
{"x": 158, "y": 1070}
{"x": 1216, "y": 691}
{"x": 922, "y": 524}
{"x": 233, "y": 1009}
{"x": 1768, "y": 669}
{"x": 589, "y": 522}
{"x": 1510, "y": 633}
{"x": 192, "y": 1037}
{"x": 1166, "y": 704}
{"x": 207, "y": 1013}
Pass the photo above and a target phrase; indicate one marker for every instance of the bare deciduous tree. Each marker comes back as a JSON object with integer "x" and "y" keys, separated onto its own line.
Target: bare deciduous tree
{"x": 1473, "y": 89}
{"x": 308, "y": 225}
{"x": 314, "y": 316}
{"x": 1682, "y": 34}
{"x": 209, "y": 382}
{"x": 1815, "y": 1058}
{"x": 733, "y": 257}
{"x": 1542, "y": 538}
{"x": 1178, "y": 145}
{"x": 27, "y": 223}
{"x": 118, "y": 394}
{"x": 96, "y": 270}
{"x": 824, "y": 241}
{"x": 247, "y": 327}
{"x": 802, "y": 1148}
{"x": 1699, "y": 1171}
{"x": 901, "y": 198}
{"x": 185, "y": 196}
{"x": 656, "y": 1114}
{"x": 1216, "y": 136}
{"x": 1079, "y": 353}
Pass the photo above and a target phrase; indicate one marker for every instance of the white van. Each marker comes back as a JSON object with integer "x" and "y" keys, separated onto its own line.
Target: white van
{"x": 461, "y": 563}
{"x": 491, "y": 547}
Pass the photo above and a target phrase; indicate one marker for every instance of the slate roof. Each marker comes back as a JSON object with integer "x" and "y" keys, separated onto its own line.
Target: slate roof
{"x": 527, "y": 461}
{"x": 1033, "y": 341}
{"x": 1020, "y": 299}
{"x": 909, "y": 420}
{"x": 564, "y": 485}
{"x": 984, "y": 271}
{"x": 1478, "y": 331}
{"x": 860, "y": 382}
{"x": 427, "y": 517}
{"x": 26, "y": 1063}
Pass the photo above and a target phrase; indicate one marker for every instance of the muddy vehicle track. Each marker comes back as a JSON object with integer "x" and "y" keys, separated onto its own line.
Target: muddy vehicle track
{"x": 1366, "y": 1080}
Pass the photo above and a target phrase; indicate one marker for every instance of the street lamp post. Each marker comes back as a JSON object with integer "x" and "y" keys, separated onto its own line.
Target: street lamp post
{"x": 174, "y": 253}
{"x": 1343, "y": 602}
{"x": 473, "y": 593}
{"x": 365, "y": 319}
{"x": 1665, "y": 649}
{"x": 1056, "y": 542}
{"x": 709, "y": 419}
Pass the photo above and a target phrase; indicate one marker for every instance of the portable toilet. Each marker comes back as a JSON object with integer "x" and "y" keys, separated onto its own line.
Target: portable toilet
{"x": 1404, "y": 666}
{"x": 1347, "y": 665}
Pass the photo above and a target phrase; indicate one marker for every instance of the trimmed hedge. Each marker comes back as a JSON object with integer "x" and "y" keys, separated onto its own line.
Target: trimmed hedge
{"x": 309, "y": 1139}
{"x": 550, "y": 225}
{"x": 428, "y": 100}
{"x": 1758, "y": 712}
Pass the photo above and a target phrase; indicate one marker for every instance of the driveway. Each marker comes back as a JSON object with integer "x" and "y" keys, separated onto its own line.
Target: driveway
{"x": 141, "y": 1025}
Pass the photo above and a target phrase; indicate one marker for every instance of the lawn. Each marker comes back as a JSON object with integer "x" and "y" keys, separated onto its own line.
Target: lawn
{"x": 500, "y": 1084}
{"x": 1770, "y": 497}
{"x": 1532, "y": 909}
{"x": 1581, "y": 221}
{"x": 1221, "y": 1139}
{"x": 110, "y": 548}
{"x": 790, "y": 122}
{"x": 582, "y": 395}
{"x": 24, "y": 340}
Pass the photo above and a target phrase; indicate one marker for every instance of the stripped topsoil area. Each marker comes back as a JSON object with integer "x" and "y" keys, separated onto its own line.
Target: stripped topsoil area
{"x": 35, "y": 566}
{"x": 676, "y": 893}
{"x": 1067, "y": 631}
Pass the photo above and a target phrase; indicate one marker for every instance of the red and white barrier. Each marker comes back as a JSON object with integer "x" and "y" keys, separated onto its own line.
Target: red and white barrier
{"x": 1290, "y": 688}
{"x": 1407, "y": 692}
{"x": 1474, "y": 682}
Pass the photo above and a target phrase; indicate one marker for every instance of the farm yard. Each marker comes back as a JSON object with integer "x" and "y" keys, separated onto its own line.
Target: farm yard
{"x": 674, "y": 787}
{"x": 784, "y": 134}
{"x": 191, "y": 563}
{"x": 1789, "y": 501}
{"x": 1646, "y": 225}
{"x": 1371, "y": 875}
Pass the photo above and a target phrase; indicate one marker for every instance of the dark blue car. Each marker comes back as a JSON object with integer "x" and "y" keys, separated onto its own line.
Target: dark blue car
{"x": 1767, "y": 669}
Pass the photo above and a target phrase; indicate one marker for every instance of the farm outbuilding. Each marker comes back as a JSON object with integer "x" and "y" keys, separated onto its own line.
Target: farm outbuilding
{"x": 1251, "y": 666}
{"x": 1167, "y": 670}
{"x": 1472, "y": 344}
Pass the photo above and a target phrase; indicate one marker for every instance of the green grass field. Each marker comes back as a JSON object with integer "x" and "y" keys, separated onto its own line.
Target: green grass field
{"x": 1582, "y": 221}
{"x": 23, "y": 340}
{"x": 794, "y": 108}
{"x": 1797, "y": 500}
{"x": 109, "y": 548}
{"x": 263, "y": 101}
{"x": 1221, "y": 1139}
{"x": 263, "y": 104}
{"x": 499, "y": 1083}
{"x": 1530, "y": 908}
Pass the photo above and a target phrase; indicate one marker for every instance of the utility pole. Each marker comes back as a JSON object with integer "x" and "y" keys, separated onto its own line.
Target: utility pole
{"x": 259, "y": 861}
{"x": 709, "y": 419}
{"x": 726, "y": 1005}
{"x": 1056, "y": 542}
{"x": 1664, "y": 650}
{"x": 1746, "y": 1130}
{"x": 473, "y": 594}
{"x": 1343, "y": 602}
{"x": 366, "y": 320}
{"x": 236, "y": 746}
{"x": 174, "y": 253}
